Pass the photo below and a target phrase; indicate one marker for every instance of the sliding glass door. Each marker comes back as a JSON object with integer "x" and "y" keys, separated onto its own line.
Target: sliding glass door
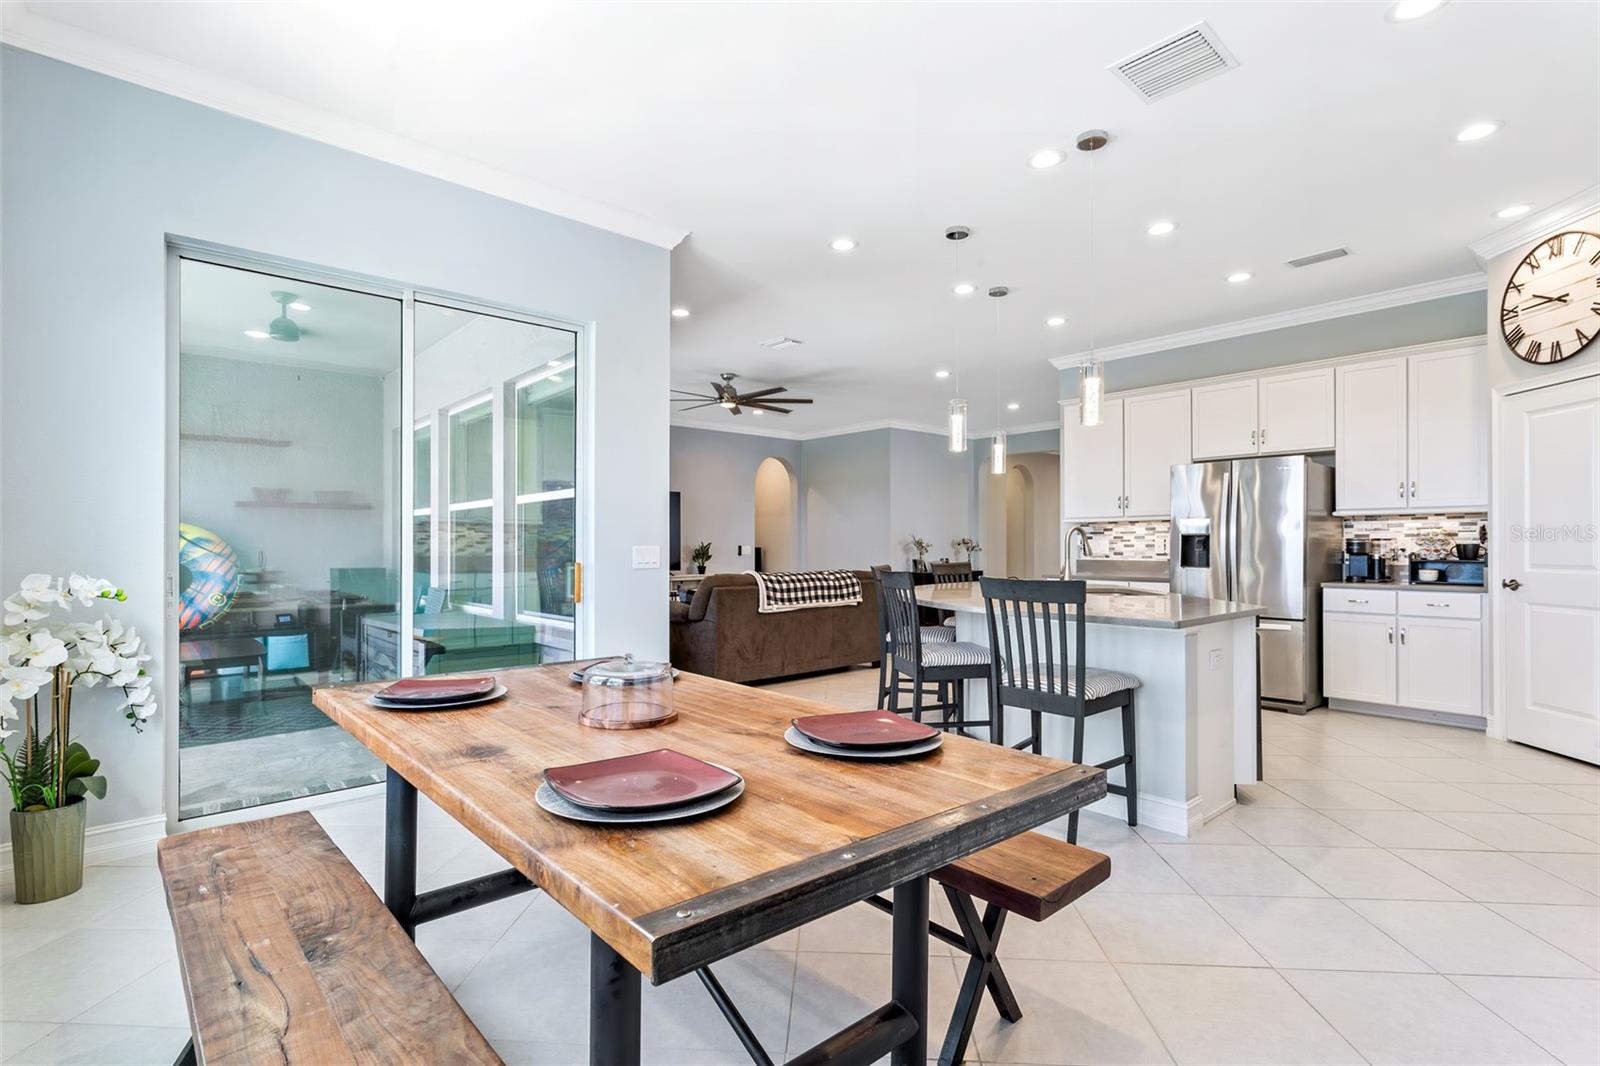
{"x": 306, "y": 411}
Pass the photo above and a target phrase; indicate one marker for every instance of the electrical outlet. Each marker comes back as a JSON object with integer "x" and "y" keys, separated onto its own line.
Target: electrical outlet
{"x": 647, "y": 557}
{"x": 1216, "y": 658}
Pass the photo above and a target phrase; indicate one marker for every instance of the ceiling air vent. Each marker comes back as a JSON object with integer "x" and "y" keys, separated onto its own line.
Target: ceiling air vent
{"x": 1319, "y": 257}
{"x": 1187, "y": 57}
{"x": 782, "y": 342}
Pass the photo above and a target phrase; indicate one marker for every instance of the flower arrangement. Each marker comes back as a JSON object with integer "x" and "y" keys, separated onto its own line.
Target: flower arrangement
{"x": 49, "y": 770}
{"x": 920, "y": 548}
{"x": 968, "y": 545}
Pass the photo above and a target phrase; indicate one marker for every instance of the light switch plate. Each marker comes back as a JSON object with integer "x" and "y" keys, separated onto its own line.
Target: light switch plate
{"x": 647, "y": 557}
{"x": 1216, "y": 658}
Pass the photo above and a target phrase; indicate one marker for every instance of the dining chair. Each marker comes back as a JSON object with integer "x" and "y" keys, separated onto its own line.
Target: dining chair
{"x": 1040, "y": 664}
{"x": 925, "y": 661}
{"x": 951, "y": 574}
{"x": 933, "y": 634}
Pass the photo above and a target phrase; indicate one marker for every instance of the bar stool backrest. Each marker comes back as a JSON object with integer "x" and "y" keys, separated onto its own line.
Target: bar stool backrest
{"x": 951, "y": 573}
{"x": 1037, "y": 640}
{"x": 900, "y": 615}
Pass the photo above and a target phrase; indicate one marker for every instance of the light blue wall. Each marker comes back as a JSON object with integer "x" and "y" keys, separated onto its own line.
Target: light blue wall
{"x": 930, "y": 494}
{"x": 844, "y": 489}
{"x": 1432, "y": 320}
{"x": 96, "y": 175}
{"x": 716, "y": 475}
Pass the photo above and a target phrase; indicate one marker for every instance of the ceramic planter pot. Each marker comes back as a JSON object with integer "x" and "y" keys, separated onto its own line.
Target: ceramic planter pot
{"x": 47, "y": 852}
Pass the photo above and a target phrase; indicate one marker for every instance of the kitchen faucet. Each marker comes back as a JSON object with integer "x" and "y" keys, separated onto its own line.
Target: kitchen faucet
{"x": 1066, "y": 555}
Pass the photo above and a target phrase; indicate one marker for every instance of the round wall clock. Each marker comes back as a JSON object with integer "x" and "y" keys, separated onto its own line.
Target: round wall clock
{"x": 1551, "y": 307}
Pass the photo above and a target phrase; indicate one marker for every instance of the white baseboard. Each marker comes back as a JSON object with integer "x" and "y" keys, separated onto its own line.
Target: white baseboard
{"x": 105, "y": 843}
{"x": 1157, "y": 812}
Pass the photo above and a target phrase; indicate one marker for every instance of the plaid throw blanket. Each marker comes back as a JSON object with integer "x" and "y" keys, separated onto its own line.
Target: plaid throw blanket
{"x": 806, "y": 588}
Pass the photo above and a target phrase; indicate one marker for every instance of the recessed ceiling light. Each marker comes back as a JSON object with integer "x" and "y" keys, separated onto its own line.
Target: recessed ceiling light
{"x": 256, "y": 334}
{"x": 680, "y": 312}
{"x": 1045, "y": 158}
{"x": 966, "y": 288}
{"x": 1162, "y": 228}
{"x": 1239, "y": 275}
{"x": 941, "y": 373}
{"x": 1411, "y": 10}
{"x": 1514, "y": 211}
{"x": 556, "y": 378}
{"x": 843, "y": 244}
{"x": 1055, "y": 320}
{"x": 1013, "y": 406}
{"x": 299, "y": 305}
{"x": 1477, "y": 131}
{"x": 756, "y": 411}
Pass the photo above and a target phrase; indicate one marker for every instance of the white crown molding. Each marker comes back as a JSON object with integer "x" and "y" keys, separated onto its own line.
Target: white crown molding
{"x": 34, "y": 32}
{"x": 859, "y": 427}
{"x": 1355, "y": 305}
{"x": 1537, "y": 224}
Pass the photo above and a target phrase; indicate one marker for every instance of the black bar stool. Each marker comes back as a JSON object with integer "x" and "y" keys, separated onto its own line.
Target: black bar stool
{"x": 925, "y": 661}
{"x": 1029, "y": 624}
{"x": 930, "y": 634}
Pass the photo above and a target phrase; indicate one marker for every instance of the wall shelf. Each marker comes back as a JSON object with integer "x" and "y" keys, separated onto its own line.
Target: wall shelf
{"x": 219, "y": 438}
{"x": 304, "y": 505}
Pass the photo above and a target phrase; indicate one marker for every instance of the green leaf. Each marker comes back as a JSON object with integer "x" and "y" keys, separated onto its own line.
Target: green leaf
{"x": 95, "y": 786}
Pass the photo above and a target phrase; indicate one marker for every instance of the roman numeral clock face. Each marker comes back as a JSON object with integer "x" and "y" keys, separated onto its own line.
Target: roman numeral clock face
{"x": 1551, "y": 309}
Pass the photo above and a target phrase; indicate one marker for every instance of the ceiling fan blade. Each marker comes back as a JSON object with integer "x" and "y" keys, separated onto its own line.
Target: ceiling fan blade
{"x": 694, "y": 399}
{"x": 697, "y": 395}
{"x": 696, "y": 407}
{"x": 762, "y": 392}
{"x": 787, "y": 399}
{"x": 760, "y": 406}
{"x": 735, "y": 410}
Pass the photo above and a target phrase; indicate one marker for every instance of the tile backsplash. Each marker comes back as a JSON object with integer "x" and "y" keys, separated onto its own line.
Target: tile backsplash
{"x": 1128, "y": 540}
{"x": 1148, "y": 539}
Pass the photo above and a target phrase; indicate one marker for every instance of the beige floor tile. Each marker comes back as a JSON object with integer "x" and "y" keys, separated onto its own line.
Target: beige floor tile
{"x": 1315, "y": 746}
{"x": 1563, "y": 1017}
{"x": 1591, "y": 793}
{"x": 1454, "y": 769}
{"x": 14, "y": 1036}
{"x": 1314, "y": 934}
{"x": 1393, "y": 747}
{"x": 452, "y": 959}
{"x": 1062, "y": 937}
{"x": 1174, "y": 929}
{"x": 1337, "y": 795}
{"x": 1508, "y": 829}
{"x": 1580, "y": 870}
{"x": 1294, "y": 768}
{"x": 1072, "y": 1012}
{"x": 1586, "y": 826}
{"x": 1419, "y": 1019}
{"x": 1551, "y": 770}
{"x": 1495, "y": 877}
{"x": 860, "y": 928}
{"x": 54, "y": 983}
{"x": 1575, "y": 930}
{"x": 153, "y": 999}
{"x": 1406, "y": 829}
{"x": 1261, "y": 794}
{"x": 1220, "y": 830}
{"x": 1209, "y": 1014}
{"x": 1236, "y": 870}
{"x": 1269, "y": 825}
{"x": 1530, "y": 798}
{"x": 1468, "y": 938}
{"x": 104, "y": 1045}
{"x": 1137, "y": 869}
{"x": 1365, "y": 873}
{"x": 833, "y": 989}
{"x": 1361, "y": 767}
{"x": 1426, "y": 796}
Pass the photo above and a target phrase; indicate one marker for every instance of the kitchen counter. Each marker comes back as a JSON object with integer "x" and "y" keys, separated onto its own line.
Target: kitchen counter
{"x": 1150, "y": 610}
{"x": 1405, "y": 586}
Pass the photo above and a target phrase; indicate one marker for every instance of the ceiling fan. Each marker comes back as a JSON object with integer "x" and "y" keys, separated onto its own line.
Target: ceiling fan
{"x": 284, "y": 328}
{"x": 730, "y": 398}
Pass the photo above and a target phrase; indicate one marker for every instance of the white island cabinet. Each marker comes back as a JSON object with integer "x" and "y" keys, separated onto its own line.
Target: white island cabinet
{"x": 1197, "y": 714}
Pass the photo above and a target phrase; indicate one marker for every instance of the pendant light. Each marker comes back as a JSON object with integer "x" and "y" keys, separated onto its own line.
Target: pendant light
{"x": 997, "y": 449}
{"x": 958, "y": 407}
{"x": 1091, "y": 374}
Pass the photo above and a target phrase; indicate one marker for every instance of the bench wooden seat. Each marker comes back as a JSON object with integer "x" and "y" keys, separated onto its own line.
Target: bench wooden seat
{"x": 289, "y": 957}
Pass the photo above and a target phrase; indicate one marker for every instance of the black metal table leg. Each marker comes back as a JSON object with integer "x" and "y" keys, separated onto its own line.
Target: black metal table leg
{"x": 400, "y": 850}
{"x": 910, "y": 981}
{"x": 186, "y": 1057}
{"x": 613, "y": 1007}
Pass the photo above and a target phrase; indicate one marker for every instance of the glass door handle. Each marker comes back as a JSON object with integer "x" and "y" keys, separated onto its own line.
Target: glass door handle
{"x": 577, "y": 582}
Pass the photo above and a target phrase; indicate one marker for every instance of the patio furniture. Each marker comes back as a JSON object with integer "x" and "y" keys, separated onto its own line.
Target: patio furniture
{"x": 206, "y": 654}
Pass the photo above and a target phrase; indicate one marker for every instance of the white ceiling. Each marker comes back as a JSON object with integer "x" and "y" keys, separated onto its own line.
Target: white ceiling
{"x": 766, "y": 130}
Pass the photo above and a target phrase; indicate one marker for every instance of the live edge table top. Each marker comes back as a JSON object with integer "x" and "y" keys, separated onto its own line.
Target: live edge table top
{"x": 809, "y": 835}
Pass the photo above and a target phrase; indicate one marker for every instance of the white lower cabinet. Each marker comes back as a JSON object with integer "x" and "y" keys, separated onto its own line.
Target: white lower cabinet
{"x": 1423, "y": 652}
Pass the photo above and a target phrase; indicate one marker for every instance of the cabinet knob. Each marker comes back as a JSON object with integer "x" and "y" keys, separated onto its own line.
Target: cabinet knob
{"x": 1510, "y": 583}
{"x": 1402, "y": 636}
{"x": 1402, "y": 490}
{"x": 1413, "y": 490}
{"x": 1391, "y": 634}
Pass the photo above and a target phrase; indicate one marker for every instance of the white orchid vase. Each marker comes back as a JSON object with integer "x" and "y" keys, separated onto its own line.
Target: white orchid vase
{"x": 47, "y": 768}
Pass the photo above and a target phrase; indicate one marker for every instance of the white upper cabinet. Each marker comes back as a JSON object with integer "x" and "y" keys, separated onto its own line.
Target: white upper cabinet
{"x": 1091, "y": 463}
{"x": 1224, "y": 419}
{"x": 1297, "y": 412}
{"x": 1370, "y": 468}
{"x": 1449, "y": 431}
{"x": 1155, "y": 436}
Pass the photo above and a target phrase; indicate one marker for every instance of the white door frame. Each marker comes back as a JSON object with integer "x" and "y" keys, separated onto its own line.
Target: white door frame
{"x": 179, "y": 248}
{"x": 1497, "y": 711}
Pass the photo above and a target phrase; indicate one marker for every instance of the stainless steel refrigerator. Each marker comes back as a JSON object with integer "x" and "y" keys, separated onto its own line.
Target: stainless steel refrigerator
{"x": 1262, "y": 531}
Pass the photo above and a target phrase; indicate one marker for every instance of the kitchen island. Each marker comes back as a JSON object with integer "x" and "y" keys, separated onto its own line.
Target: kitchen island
{"x": 1197, "y": 711}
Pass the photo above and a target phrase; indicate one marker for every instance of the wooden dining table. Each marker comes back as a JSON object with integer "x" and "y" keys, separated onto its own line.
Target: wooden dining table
{"x": 810, "y": 835}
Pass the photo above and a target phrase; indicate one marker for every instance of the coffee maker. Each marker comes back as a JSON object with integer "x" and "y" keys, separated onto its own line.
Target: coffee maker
{"x": 1363, "y": 562}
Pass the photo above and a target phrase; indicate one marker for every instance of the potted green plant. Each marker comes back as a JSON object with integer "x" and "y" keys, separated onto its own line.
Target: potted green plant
{"x": 50, "y": 775}
{"x": 701, "y": 556}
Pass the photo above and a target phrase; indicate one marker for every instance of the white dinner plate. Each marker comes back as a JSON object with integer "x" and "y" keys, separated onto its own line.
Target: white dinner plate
{"x": 499, "y": 691}
{"x": 552, "y": 801}
{"x": 799, "y": 740}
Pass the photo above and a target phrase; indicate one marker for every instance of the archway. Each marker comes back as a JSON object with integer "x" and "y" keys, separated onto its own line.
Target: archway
{"x": 1019, "y": 522}
{"x": 777, "y": 533}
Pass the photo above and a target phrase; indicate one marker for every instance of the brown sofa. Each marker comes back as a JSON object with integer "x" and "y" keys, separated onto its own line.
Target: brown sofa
{"x": 721, "y": 634}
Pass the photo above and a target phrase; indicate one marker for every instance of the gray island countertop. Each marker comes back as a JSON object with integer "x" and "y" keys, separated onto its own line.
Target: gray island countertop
{"x": 1150, "y": 610}
{"x": 1405, "y": 586}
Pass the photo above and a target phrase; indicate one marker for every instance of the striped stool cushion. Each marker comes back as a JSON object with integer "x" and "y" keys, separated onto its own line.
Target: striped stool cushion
{"x": 930, "y": 635}
{"x": 955, "y": 653}
{"x": 1096, "y": 683}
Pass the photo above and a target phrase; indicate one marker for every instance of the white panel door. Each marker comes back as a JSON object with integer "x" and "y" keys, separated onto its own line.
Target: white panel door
{"x": 1155, "y": 435}
{"x": 1297, "y": 412}
{"x": 1091, "y": 463}
{"x": 1370, "y": 463}
{"x": 1448, "y": 445}
{"x": 1546, "y": 559}
{"x": 1225, "y": 419}
{"x": 1440, "y": 665}
{"x": 1358, "y": 657}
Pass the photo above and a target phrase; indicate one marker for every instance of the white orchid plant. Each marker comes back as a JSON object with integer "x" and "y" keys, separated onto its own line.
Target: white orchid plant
{"x": 49, "y": 769}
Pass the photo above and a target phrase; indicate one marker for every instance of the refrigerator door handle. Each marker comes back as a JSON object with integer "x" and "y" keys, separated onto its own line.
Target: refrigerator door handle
{"x": 1276, "y": 627}
{"x": 1230, "y": 535}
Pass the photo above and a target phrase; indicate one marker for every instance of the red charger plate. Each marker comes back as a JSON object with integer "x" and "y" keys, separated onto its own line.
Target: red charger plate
{"x": 437, "y": 689}
{"x": 647, "y": 781}
{"x": 864, "y": 729}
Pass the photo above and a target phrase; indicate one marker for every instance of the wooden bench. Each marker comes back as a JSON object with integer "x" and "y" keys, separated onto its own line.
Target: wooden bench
{"x": 289, "y": 957}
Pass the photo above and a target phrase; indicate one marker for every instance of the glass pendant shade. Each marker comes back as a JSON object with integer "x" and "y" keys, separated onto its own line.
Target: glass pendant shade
{"x": 1091, "y": 391}
{"x": 958, "y": 425}
{"x": 997, "y": 453}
